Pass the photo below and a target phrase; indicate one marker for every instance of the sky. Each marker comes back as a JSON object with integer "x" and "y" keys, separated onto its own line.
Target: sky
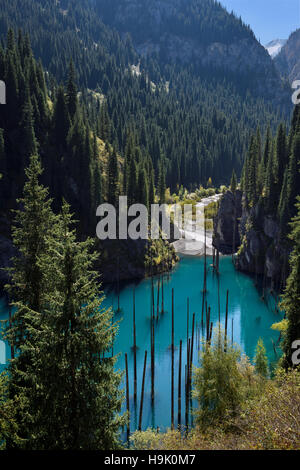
{"x": 269, "y": 19}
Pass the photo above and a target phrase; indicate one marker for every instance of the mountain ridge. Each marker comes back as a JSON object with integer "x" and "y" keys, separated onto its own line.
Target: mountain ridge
{"x": 206, "y": 35}
{"x": 287, "y": 61}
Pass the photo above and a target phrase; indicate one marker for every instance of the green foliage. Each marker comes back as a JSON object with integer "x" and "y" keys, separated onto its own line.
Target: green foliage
{"x": 32, "y": 225}
{"x": 218, "y": 383}
{"x": 72, "y": 92}
{"x": 291, "y": 298}
{"x": 233, "y": 183}
{"x": 161, "y": 185}
{"x": 271, "y": 178}
{"x": 8, "y": 419}
{"x": 62, "y": 380}
{"x": 197, "y": 140}
{"x": 270, "y": 421}
{"x": 113, "y": 178}
{"x": 261, "y": 360}
{"x": 204, "y": 21}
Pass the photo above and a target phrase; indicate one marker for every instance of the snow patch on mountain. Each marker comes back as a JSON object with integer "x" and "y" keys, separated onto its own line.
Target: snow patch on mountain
{"x": 275, "y": 46}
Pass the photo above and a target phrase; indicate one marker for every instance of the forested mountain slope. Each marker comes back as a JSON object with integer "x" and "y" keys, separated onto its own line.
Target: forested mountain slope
{"x": 264, "y": 206}
{"x": 192, "y": 120}
{"x": 198, "y": 32}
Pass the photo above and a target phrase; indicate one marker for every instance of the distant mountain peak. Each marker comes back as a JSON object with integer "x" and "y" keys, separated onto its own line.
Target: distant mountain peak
{"x": 275, "y": 46}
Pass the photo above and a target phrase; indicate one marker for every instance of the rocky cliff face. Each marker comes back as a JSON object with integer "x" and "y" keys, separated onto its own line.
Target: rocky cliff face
{"x": 288, "y": 60}
{"x": 260, "y": 249}
{"x": 228, "y": 219}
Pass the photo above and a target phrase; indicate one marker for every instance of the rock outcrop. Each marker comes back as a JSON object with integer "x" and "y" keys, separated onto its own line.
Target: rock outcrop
{"x": 228, "y": 219}
{"x": 259, "y": 245}
{"x": 262, "y": 250}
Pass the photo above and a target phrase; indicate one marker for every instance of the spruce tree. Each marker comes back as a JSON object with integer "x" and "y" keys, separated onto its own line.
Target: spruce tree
{"x": 267, "y": 147}
{"x": 32, "y": 224}
{"x": 143, "y": 187}
{"x": 72, "y": 91}
{"x": 70, "y": 386}
{"x": 270, "y": 194}
{"x": 96, "y": 179}
{"x": 233, "y": 183}
{"x": 61, "y": 119}
{"x": 251, "y": 179}
{"x": 151, "y": 187}
{"x": 62, "y": 380}
{"x": 161, "y": 184}
{"x": 113, "y": 178}
{"x": 12, "y": 114}
{"x": 283, "y": 207}
{"x": 281, "y": 157}
{"x": 28, "y": 139}
{"x": 132, "y": 182}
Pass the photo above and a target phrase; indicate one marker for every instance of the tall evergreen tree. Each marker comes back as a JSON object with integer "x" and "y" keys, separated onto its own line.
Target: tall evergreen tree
{"x": 143, "y": 187}
{"x": 61, "y": 119}
{"x": 267, "y": 147}
{"x": 65, "y": 391}
{"x": 72, "y": 91}
{"x": 270, "y": 194}
{"x": 151, "y": 187}
{"x": 251, "y": 177}
{"x": 70, "y": 387}
{"x": 28, "y": 139}
{"x": 132, "y": 182}
{"x": 33, "y": 223}
{"x": 161, "y": 186}
{"x": 233, "y": 183}
{"x": 281, "y": 157}
{"x": 113, "y": 178}
{"x": 283, "y": 207}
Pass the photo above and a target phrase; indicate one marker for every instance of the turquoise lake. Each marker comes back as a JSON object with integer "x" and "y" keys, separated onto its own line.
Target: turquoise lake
{"x": 250, "y": 315}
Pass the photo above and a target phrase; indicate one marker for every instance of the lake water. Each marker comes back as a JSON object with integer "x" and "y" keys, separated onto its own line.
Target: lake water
{"x": 252, "y": 319}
